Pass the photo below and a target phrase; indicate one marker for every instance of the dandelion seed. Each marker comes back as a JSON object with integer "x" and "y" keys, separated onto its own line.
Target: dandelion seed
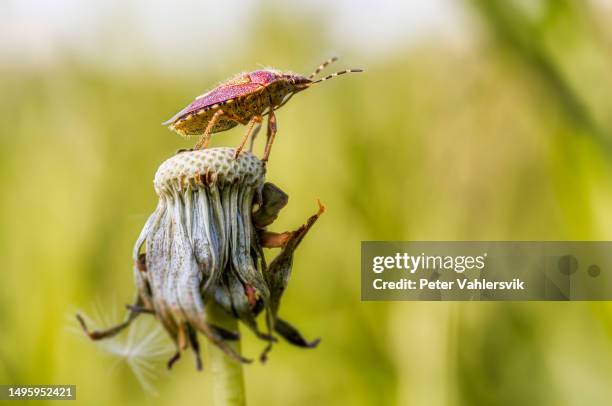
{"x": 144, "y": 348}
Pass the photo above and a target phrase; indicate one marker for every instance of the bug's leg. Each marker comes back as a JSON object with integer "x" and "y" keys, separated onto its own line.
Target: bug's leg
{"x": 252, "y": 130}
{"x": 205, "y": 138}
{"x": 270, "y": 136}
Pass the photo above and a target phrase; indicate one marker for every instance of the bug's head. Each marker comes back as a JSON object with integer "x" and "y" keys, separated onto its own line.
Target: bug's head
{"x": 298, "y": 82}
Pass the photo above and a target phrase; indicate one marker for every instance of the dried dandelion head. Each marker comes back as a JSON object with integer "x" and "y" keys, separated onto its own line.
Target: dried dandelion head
{"x": 204, "y": 244}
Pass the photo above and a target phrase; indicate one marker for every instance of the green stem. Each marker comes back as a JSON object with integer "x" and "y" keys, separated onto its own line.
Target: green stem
{"x": 228, "y": 379}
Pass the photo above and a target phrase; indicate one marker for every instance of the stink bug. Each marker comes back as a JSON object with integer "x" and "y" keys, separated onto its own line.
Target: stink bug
{"x": 244, "y": 99}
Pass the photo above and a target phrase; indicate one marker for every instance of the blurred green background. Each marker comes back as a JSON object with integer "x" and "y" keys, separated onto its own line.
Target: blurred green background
{"x": 492, "y": 123}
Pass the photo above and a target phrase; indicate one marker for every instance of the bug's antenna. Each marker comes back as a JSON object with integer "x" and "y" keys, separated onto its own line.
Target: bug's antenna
{"x": 322, "y": 66}
{"x": 342, "y": 72}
